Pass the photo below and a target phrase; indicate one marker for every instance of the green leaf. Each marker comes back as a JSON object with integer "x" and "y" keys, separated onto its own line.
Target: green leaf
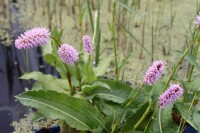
{"x": 47, "y": 49}
{"x": 56, "y": 41}
{"x": 60, "y": 67}
{"x": 196, "y": 118}
{"x": 102, "y": 68}
{"x": 168, "y": 124}
{"x": 37, "y": 86}
{"x": 142, "y": 97}
{"x": 134, "y": 118}
{"x": 50, "y": 59}
{"x": 89, "y": 75}
{"x": 193, "y": 85}
{"x": 48, "y": 82}
{"x": 182, "y": 109}
{"x": 36, "y": 116}
{"x": 119, "y": 91}
{"x": 77, "y": 113}
{"x": 156, "y": 90}
{"x": 95, "y": 90}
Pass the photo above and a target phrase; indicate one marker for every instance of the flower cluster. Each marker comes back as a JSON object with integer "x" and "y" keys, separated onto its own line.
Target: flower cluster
{"x": 197, "y": 21}
{"x": 170, "y": 95}
{"x": 87, "y": 44}
{"x": 154, "y": 72}
{"x": 68, "y": 54}
{"x": 32, "y": 38}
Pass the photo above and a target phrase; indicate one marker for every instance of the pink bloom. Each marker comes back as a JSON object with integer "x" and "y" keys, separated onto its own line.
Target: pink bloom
{"x": 32, "y": 38}
{"x": 154, "y": 72}
{"x": 87, "y": 44}
{"x": 68, "y": 54}
{"x": 170, "y": 95}
{"x": 197, "y": 21}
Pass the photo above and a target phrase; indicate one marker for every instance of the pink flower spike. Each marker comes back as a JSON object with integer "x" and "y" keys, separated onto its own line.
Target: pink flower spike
{"x": 197, "y": 21}
{"x": 68, "y": 54}
{"x": 154, "y": 72}
{"x": 87, "y": 44}
{"x": 170, "y": 95}
{"x": 32, "y": 38}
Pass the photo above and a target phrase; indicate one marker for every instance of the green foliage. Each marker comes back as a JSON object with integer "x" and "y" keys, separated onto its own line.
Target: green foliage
{"x": 142, "y": 97}
{"x": 118, "y": 92}
{"x": 168, "y": 124}
{"x": 36, "y": 116}
{"x": 97, "y": 34}
{"x": 48, "y": 82}
{"x": 90, "y": 14}
{"x": 102, "y": 68}
{"x": 189, "y": 115}
{"x": 132, "y": 120}
{"x": 76, "y": 112}
{"x": 192, "y": 86}
{"x": 89, "y": 75}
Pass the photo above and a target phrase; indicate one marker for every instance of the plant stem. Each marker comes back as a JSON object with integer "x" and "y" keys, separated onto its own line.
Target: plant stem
{"x": 97, "y": 33}
{"x": 196, "y": 49}
{"x": 159, "y": 120}
{"x": 152, "y": 31}
{"x": 152, "y": 117}
{"x": 80, "y": 22}
{"x": 143, "y": 116}
{"x": 72, "y": 91}
{"x": 114, "y": 40}
{"x": 176, "y": 67}
{"x": 79, "y": 75}
{"x": 90, "y": 15}
{"x": 135, "y": 95}
{"x": 26, "y": 60}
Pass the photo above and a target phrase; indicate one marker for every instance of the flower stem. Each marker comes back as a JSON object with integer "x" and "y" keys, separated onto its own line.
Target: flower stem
{"x": 135, "y": 95}
{"x": 79, "y": 75}
{"x": 143, "y": 117}
{"x": 177, "y": 65}
{"x": 195, "y": 56}
{"x": 72, "y": 90}
{"x": 26, "y": 60}
{"x": 159, "y": 120}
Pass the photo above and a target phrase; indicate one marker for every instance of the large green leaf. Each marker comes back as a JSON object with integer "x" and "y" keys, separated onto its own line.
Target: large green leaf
{"x": 48, "y": 82}
{"x": 78, "y": 113}
{"x": 118, "y": 91}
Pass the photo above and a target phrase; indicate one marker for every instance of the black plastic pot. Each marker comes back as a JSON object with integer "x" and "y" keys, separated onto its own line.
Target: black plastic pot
{"x": 55, "y": 129}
